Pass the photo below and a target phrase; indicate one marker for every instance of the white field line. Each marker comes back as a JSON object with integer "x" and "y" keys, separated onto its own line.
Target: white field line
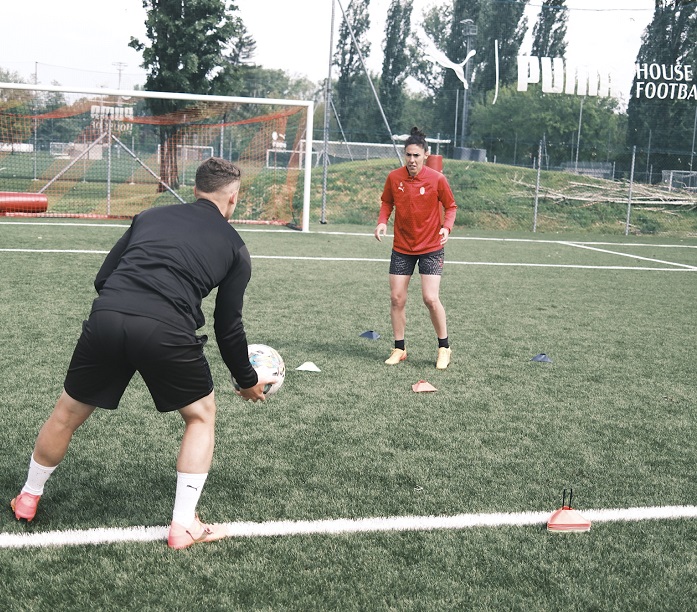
{"x": 367, "y": 259}
{"x": 577, "y": 266}
{"x": 370, "y": 235}
{"x": 341, "y": 526}
{"x": 486, "y": 263}
{"x": 592, "y": 248}
{"x": 533, "y": 240}
{"x": 66, "y": 223}
{"x": 76, "y": 251}
{"x": 629, "y": 244}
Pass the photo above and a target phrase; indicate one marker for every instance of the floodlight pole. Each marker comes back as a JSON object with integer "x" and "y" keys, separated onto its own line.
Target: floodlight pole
{"x": 694, "y": 129}
{"x": 470, "y": 30}
{"x": 457, "y": 114}
{"x": 327, "y": 104}
{"x": 578, "y": 138}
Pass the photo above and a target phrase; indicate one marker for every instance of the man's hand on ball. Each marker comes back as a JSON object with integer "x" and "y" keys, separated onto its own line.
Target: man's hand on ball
{"x": 256, "y": 393}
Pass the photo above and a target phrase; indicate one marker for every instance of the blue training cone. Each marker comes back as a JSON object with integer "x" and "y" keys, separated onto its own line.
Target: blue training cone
{"x": 371, "y": 335}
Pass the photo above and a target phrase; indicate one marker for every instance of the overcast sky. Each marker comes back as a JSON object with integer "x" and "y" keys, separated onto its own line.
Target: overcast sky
{"x": 87, "y": 44}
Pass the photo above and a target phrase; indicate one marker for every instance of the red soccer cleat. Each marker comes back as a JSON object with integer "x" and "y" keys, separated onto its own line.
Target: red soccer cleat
{"x": 181, "y": 537}
{"x": 24, "y": 506}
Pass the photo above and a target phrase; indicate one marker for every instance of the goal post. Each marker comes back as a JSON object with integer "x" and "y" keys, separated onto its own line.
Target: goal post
{"x": 96, "y": 152}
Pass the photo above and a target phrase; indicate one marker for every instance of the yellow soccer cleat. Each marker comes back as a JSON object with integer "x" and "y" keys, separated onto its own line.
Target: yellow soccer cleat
{"x": 443, "y": 359}
{"x": 396, "y": 356}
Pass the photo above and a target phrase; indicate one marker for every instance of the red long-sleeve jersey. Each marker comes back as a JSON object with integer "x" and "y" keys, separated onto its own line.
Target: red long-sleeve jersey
{"x": 422, "y": 204}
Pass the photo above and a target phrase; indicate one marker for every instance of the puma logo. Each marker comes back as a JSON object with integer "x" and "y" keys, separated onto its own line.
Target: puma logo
{"x": 436, "y": 56}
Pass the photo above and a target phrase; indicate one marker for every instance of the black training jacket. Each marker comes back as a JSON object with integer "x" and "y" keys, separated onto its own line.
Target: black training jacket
{"x": 169, "y": 259}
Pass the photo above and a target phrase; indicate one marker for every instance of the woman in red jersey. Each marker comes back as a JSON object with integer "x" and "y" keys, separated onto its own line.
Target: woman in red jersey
{"x": 418, "y": 195}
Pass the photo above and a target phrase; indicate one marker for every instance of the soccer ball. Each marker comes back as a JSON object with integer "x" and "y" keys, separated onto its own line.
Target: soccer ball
{"x": 267, "y": 362}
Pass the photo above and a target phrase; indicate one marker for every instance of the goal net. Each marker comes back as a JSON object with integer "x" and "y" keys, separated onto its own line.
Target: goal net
{"x": 112, "y": 153}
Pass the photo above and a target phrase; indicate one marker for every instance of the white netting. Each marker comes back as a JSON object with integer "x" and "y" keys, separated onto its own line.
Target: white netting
{"x": 113, "y": 155}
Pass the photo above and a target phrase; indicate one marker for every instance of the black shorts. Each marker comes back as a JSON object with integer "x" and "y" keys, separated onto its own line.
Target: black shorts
{"x": 113, "y": 346}
{"x": 429, "y": 263}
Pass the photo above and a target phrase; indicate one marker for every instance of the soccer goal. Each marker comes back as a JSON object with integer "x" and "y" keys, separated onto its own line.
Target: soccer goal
{"x": 112, "y": 153}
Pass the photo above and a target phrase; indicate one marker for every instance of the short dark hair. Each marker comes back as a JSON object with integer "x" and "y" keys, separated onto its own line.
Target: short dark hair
{"x": 417, "y": 137}
{"x": 216, "y": 173}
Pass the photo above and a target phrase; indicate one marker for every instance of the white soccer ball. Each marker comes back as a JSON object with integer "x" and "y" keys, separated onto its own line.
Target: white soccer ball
{"x": 268, "y": 363}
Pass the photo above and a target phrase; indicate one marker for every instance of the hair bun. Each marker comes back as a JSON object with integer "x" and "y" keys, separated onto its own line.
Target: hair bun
{"x": 417, "y": 137}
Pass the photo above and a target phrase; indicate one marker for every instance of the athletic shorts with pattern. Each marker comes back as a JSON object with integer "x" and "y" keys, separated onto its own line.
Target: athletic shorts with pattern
{"x": 429, "y": 263}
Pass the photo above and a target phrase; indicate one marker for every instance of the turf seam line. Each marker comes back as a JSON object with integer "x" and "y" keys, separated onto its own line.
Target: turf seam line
{"x": 341, "y": 526}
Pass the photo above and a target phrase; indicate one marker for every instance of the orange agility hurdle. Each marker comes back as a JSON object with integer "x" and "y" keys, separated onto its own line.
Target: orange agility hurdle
{"x": 13, "y": 202}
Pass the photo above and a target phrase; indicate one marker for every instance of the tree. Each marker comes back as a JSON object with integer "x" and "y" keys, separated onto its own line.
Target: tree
{"x": 435, "y": 24}
{"x": 7, "y": 76}
{"x": 23, "y": 122}
{"x": 466, "y": 15}
{"x": 48, "y": 131}
{"x": 663, "y": 127}
{"x": 259, "y": 82}
{"x": 442, "y": 25}
{"x": 14, "y": 127}
{"x": 395, "y": 62}
{"x": 512, "y": 128}
{"x": 549, "y": 33}
{"x": 451, "y": 28}
{"x": 352, "y": 78}
{"x": 194, "y": 45}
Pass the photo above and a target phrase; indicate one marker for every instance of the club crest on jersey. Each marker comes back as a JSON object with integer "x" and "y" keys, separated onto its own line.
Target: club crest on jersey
{"x": 422, "y": 190}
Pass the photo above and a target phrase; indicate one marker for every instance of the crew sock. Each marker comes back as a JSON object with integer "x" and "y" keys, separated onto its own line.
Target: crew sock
{"x": 189, "y": 488}
{"x": 399, "y": 344}
{"x": 36, "y": 477}
{"x": 443, "y": 342}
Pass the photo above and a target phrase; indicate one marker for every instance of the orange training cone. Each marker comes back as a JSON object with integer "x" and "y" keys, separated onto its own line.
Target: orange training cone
{"x": 566, "y": 518}
{"x": 422, "y": 386}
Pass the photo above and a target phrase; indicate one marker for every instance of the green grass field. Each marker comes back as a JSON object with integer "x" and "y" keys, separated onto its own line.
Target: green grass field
{"x": 612, "y": 416}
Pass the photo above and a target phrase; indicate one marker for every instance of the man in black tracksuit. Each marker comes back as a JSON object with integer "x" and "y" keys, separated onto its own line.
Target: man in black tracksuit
{"x": 145, "y": 318}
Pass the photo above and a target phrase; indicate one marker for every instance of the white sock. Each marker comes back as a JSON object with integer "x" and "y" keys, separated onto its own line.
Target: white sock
{"x": 37, "y": 477}
{"x": 189, "y": 488}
